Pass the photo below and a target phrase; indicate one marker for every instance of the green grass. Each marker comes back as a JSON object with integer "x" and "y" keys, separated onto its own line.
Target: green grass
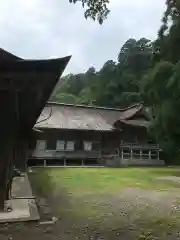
{"x": 76, "y": 193}
{"x": 78, "y": 181}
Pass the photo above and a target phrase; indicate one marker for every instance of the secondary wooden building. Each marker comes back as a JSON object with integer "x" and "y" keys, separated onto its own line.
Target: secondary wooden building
{"x": 85, "y": 135}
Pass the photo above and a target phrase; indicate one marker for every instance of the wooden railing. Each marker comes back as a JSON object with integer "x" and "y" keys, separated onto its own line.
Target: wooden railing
{"x": 139, "y": 146}
{"x": 55, "y": 154}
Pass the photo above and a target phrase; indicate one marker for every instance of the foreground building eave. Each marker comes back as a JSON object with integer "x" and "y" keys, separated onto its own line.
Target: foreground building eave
{"x": 34, "y": 81}
{"x": 25, "y": 87}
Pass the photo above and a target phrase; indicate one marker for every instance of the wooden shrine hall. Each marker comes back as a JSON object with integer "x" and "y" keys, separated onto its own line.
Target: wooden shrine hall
{"x": 79, "y": 135}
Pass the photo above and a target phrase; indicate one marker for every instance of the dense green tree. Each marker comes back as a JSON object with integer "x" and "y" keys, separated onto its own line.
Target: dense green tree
{"x": 64, "y": 98}
{"x": 95, "y": 9}
{"x": 115, "y": 84}
{"x": 162, "y": 93}
{"x": 161, "y": 86}
{"x": 136, "y": 56}
{"x": 169, "y": 34}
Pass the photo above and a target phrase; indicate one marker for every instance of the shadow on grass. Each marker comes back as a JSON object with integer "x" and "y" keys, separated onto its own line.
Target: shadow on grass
{"x": 55, "y": 195}
{"x": 41, "y": 182}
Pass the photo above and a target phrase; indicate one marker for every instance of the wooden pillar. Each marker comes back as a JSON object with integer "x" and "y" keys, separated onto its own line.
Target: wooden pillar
{"x": 101, "y": 146}
{"x": 44, "y": 163}
{"x": 117, "y": 150}
{"x": 141, "y": 154}
{"x": 122, "y": 156}
{"x": 158, "y": 154}
{"x": 5, "y": 171}
{"x": 131, "y": 156}
{"x": 149, "y": 154}
{"x": 21, "y": 153}
{"x": 3, "y": 192}
{"x": 10, "y": 171}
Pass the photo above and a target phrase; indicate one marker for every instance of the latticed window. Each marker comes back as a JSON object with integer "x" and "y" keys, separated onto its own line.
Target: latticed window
{"x": 41, "y": 144}
{"x": 70, "y": 146}
{"x": 87, "y": 146}
{"x": 60, "y": 145}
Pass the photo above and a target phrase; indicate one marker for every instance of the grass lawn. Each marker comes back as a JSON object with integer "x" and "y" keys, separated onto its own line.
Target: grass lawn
{"x": 80, "y": 181}
{"x": 134, "y": 202}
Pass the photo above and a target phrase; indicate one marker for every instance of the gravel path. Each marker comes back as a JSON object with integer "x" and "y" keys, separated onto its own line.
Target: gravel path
{"x": 132, "y": 213}
{"x": 170, "y": 178}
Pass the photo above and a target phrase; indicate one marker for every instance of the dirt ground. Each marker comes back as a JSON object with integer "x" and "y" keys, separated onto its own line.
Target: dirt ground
{"x": 131, "y": 213}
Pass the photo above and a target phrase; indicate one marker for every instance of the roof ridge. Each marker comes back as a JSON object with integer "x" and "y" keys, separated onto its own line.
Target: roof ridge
{"x": 94, "y": 107}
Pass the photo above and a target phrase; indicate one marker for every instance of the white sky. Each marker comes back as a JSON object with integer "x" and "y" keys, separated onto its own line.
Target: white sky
{"x": 39, "y": 29}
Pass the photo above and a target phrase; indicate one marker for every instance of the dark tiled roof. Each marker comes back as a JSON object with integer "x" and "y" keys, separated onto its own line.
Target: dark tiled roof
{"x": 129, "y": 113}
{"x": 136, "y": 123}
{"x": 92, "y": 106}
{"x": 71, "y": 117}
{"x": 67, "y": 116}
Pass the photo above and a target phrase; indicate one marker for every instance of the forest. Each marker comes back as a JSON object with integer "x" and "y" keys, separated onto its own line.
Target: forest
{"x": 117, "y": 84}
{"x": 145, "y": 71}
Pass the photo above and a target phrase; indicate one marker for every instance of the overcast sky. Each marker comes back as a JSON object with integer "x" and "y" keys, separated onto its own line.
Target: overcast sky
{"x": 56, "y": 28}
